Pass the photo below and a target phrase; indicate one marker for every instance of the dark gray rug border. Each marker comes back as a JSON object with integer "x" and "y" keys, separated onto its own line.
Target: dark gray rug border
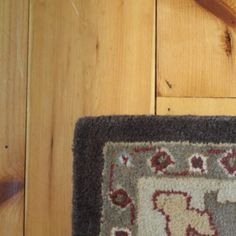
{"x": 91, "y": 133}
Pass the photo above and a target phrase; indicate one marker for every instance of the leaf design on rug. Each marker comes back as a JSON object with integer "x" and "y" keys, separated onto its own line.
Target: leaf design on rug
{"x": 125, "y": 160}
{"x": 228, "y": 162}
{"x": 120, "y": 198}
{"x": 198, "y": 163}
{"x": 161, "y": 160}
{"x": 120, "y": 232}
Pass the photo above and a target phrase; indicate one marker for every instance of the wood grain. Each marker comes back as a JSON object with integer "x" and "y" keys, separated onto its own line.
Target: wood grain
{"x": 195, "y": 49}
{"x": 196, "y": 106}
{"x": 224, "y": 9}
{"x": 13, "y": 81}
{"x": 86, "y": 58}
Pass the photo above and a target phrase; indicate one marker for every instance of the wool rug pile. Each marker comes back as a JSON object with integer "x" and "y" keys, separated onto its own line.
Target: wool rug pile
{"x": 154, "y": 176}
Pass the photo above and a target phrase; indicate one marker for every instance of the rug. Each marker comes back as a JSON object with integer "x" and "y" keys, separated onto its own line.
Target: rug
{"x": 151, "y": 175}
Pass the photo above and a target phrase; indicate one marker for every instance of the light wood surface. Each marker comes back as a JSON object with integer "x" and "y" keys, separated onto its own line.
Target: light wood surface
{"x": 13, "y": 78}
{"x": 224, "y": 9}
{"x": 103, "y": 57}
{"x": 196, "y": 106}
{"x": 196, "y": 53}
{"x": 86, "y": 58}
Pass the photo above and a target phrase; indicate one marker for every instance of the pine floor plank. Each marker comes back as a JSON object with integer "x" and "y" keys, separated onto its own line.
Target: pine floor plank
{"x": 195, "y": 48}
{"x": 196, "y": 106}
{"x": 13, "y": 85}
{"x": 86, "y": 58}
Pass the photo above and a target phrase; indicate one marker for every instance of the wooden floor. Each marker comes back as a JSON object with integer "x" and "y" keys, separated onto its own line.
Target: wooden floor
{"x": 64, "y": 59}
